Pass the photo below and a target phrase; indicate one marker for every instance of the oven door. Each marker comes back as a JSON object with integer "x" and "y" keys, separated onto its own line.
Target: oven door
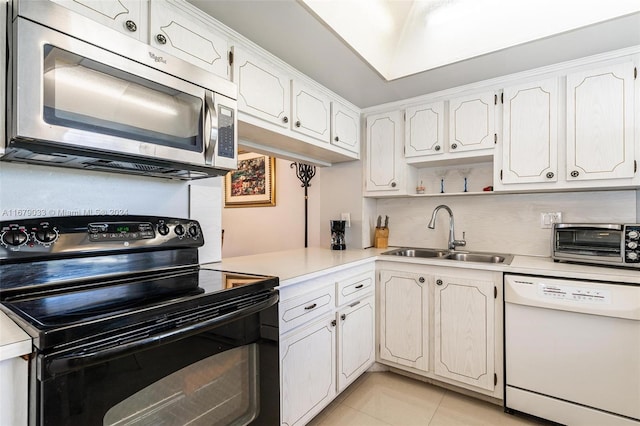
{"x": 223, "y": 373}
{"x": 599, "y": 243}
{"x": 82, "y": 98}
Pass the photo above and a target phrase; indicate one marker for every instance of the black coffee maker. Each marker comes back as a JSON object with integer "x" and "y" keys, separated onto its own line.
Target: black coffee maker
{"x": 337, "y": 234}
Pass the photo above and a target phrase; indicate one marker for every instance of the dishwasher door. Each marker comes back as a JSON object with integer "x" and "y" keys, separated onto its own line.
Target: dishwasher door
{"x": 572, "y": 350}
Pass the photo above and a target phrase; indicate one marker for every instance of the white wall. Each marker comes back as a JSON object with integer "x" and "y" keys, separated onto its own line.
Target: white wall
{"x": 252, "y": 230}
{"x": 508, "y": 223}
{"x": 35, "y": 191}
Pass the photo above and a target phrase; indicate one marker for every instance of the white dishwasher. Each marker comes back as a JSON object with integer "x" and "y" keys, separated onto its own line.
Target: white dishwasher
{"x": 572, "y": 350}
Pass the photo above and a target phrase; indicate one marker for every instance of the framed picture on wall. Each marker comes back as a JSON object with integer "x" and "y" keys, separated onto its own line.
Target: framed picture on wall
{"x": 253, "y": 184}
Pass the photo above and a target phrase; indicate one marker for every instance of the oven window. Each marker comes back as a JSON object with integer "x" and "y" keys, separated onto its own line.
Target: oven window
{"x": 83, "y": 94}
{"x": 219, "y": 390}
{"x": 589, "y": 241}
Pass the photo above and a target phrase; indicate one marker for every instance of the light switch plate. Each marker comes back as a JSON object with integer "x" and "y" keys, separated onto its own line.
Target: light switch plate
{"x": 547, "y": 219}
{"x": 347, "y": 218}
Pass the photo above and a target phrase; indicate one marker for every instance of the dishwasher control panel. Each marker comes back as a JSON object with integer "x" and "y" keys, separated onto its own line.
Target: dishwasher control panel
{"x": 573, "y": 293}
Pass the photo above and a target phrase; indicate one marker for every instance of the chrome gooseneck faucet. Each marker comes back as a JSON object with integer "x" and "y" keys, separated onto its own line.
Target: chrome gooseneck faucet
{"x": 453, "y": 243}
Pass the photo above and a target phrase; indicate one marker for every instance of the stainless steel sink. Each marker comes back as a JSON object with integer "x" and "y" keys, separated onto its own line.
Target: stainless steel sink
{"x": 477, "y": 257}
{"x": 417, "y": 252}
{"x": 460, "y": 256}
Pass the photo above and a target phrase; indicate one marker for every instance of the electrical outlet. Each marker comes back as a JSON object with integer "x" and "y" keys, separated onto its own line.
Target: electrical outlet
{"x": 347, "y": 218}
{"x": 547, "y": 219}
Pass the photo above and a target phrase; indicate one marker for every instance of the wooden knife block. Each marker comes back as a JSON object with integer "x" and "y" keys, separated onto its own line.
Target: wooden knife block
{"x": 381, "y": 238}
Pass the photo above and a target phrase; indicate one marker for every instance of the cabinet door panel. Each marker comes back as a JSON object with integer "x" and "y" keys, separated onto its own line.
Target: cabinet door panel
{"x": 262, "y": 90}
{"x": 384, "y": 149}
{"x": 600, "y": 139}
{"x": 356, "y": 341}
{"x": 464, "y": 331}
{"x": 345, "y": 125}
{"x": 424, "y": 127}
{"x": 311, "y": 112}
{"x": 175, "y": 32}
{"x": 404, "y": 323}
{"x": 471, "y": 122}
{"x": 111, "y": 13}
{"x": 530, "y": 137}
{"x": 308, "y": 371}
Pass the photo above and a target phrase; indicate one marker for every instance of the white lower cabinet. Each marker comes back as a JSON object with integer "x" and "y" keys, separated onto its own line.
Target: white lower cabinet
{"x": 308, "y": 371}
{"x": 464, "y": 330}
{"x": 327, "y": 339}
{"x": 442, "y": 323}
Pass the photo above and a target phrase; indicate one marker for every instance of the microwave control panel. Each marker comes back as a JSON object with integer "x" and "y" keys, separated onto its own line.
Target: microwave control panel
{"x": 632, "y": 243}
{"x": 226, "y": 133}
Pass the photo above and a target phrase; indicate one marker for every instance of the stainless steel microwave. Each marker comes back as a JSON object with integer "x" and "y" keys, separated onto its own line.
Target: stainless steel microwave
{"x": 597, "y": 243}
{"x": 85, "y": 96}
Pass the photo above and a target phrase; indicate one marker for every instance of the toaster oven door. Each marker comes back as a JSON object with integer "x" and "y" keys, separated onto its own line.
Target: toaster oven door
{"x": 604, "y": 243}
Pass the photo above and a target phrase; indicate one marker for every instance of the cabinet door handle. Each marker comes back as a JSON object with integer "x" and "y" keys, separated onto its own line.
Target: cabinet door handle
{"x": 439, "y": 282}
{"x": 575, "y": 173}
{"x": 333, "y": 323}
{"x": 354, "y": 304}
{"x": 359, "y": 286}
{"x": 337, "y": 139}
{"x": 298, "y": 123}
{"x": 437, "y": 148}
{"x": 131, "y": 26}
{"x": 285, "y": 119}
{"x": 550, "y": 175}
{"x": 393, "y": 184}
{"x": 454, "y": 146}
{"x": 161, "y": 39}
{"x": 343, "y": 317}
{"x": 421, "y": 279}
{"x": 308, "y": 308}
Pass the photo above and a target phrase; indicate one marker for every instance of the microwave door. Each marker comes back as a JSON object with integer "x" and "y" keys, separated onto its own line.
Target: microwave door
{"x": 71, "y": 93}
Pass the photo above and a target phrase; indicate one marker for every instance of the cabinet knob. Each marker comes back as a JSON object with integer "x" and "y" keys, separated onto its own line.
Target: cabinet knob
{"x": 454, "y": 146}
{"x": 437, "y": 148}
{"x": 131, "y": 26}
{"x": 393, "y": 184}
{"x": 439, "y": 282}
{"x": 343, "y": 317}
{"x": 298, "y": 123}
{"x": 333, "y": 323}
{"x": 337, "y": 139}
{"x": 161, "y": 39}
{"x": 421, "y": 279}
{"x": 285, "y": 119}
{"x": 575, "y": 173}
{"x": 550, "y": 175}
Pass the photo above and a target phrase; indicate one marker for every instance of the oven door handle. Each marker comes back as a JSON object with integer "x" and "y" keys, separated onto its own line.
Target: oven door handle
{"x": 61, "y": 364}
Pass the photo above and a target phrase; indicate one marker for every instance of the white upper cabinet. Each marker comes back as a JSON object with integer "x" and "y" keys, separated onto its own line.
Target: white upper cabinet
{"x": 125, "y": 16}
{"x": 471, "y": 122}
{"x": 345, "y": 128}
{"x": 530, "y": 133}
{"x": 383, "y": 168}
{"x": 263, "y": 90}
{"x": 600, "y": 123}
{"x": 311, "y": 112}
{"x": 424, "y": 130}
{"x": 180, "y": 34}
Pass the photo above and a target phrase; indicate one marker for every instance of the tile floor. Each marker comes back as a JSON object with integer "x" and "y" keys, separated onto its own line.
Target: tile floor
{"x": 384, "y": 398}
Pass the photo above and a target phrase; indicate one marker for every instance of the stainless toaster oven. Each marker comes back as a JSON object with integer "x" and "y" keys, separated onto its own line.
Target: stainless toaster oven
{"x": 597, "y": 243}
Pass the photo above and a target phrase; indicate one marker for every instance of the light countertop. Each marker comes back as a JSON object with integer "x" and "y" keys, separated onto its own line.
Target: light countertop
{"x": 295, "y": 266}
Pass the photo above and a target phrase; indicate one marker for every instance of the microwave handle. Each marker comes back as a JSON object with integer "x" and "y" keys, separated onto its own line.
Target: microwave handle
{"x": 210, "y": 127}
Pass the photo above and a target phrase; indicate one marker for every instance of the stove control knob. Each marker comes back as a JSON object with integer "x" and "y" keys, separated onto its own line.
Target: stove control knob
{"x": 163, "y": 229}
{"x": 632, "y": 255}
{"x": 46, "y": 235}
{"x": 633, "y": 235}
{"x": 193, "y": 230}
{"x": 179, "y": 229}
{"x": 14, "y": 238}
{"x": 632, "y": 245}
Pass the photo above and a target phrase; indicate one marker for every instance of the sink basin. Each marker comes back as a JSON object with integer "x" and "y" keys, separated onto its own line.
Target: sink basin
{"x": 417, "y": 252}
{"x": 445, "y": 254}
{"x": 476, "y": 257}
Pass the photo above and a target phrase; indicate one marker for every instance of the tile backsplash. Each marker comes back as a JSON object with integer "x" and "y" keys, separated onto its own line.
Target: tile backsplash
{"x": 508, "y": 223}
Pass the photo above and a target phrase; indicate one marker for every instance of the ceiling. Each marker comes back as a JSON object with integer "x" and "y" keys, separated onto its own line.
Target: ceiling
{"x": 290, "y": 31}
